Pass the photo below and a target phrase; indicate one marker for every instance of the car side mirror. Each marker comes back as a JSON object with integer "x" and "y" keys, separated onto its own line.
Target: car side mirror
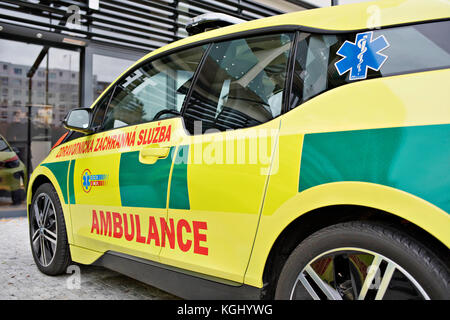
{"x": 78, "y": 120}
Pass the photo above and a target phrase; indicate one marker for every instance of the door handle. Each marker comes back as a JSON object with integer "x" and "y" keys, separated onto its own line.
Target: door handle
{"x": 150, "y": 155}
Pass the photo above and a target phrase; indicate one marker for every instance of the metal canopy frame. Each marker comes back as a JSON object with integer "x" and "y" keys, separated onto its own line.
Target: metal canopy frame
{"x": 136, "y": 24}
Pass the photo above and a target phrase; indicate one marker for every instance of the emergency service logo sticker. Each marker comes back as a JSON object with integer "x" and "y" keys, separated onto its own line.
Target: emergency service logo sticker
{"x": 361, "y": 55}
{"x": 89, "y": 180}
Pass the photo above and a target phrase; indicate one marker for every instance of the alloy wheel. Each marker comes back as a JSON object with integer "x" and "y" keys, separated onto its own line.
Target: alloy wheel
{"x": 355, "y": 274}
{"x": 44, "y": 229}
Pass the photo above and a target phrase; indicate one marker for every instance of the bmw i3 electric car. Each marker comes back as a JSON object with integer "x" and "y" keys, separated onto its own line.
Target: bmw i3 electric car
{"x": 300, "y": 156}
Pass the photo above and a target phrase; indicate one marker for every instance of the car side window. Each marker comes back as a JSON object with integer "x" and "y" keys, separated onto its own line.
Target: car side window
{"x": 154, "y": 91}
{"x": 240, "y": 84}
{"x": 314, "y": 63}
{"x": 407, "y": 49}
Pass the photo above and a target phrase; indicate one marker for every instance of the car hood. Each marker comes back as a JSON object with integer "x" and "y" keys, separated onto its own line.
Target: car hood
{"x": 5, "y": 155}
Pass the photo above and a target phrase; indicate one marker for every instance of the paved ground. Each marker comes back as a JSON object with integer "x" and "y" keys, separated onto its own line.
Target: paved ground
{"x": 20, "y": 278}
{"x": 7, "y": 210}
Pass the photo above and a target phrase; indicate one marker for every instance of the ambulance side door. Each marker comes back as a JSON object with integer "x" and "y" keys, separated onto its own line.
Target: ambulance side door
{"x": 121, "y": 187}
{"x": 223, "y": 162}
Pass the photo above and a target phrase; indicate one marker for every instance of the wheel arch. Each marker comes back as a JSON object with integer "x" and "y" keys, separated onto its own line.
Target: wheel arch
{"x": 285, "y": 223}
{"x": 38, "y": 181}
{"x": 310, "y": 222}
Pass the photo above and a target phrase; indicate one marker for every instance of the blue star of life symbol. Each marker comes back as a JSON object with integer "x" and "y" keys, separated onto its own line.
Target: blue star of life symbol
{"x": 361, "y": 55}
{"x": 86, "y": 181}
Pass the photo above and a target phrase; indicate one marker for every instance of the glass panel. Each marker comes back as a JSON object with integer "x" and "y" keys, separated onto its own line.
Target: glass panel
{"x": 54, "y": 91}
{"x": 15, "y": 62}
{"x": 241, "y": 84}
{"x": 104, "y": 76}
{"x": 154, "y": 91}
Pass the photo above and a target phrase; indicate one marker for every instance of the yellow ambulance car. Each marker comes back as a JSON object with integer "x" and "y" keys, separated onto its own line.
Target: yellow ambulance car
{"x": 300, "y": 156}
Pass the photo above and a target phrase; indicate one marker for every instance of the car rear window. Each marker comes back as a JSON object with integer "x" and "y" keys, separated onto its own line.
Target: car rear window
{"x": 324, "y": 62}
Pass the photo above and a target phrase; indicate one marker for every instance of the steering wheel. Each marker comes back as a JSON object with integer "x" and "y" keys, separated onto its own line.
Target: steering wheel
{"x": 166, "y": 111}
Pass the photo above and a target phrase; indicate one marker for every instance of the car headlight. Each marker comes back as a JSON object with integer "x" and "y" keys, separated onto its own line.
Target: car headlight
{"x": 10, "y": 163}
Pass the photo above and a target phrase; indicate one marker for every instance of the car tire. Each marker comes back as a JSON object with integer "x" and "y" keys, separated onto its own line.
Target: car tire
{"x": 362, "y": 260}
{"x": 48, "y": 236}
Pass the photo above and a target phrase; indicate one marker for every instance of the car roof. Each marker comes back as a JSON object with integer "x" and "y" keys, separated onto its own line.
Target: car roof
{"x": 341, "y": 18}
{"x": 350, "y": 17}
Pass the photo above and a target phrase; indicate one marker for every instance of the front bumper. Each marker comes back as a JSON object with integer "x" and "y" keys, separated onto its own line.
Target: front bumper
{"x": 12, "y": 179}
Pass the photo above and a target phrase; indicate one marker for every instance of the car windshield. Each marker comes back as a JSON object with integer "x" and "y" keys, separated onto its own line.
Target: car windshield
{"x": 3, "y": 145}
